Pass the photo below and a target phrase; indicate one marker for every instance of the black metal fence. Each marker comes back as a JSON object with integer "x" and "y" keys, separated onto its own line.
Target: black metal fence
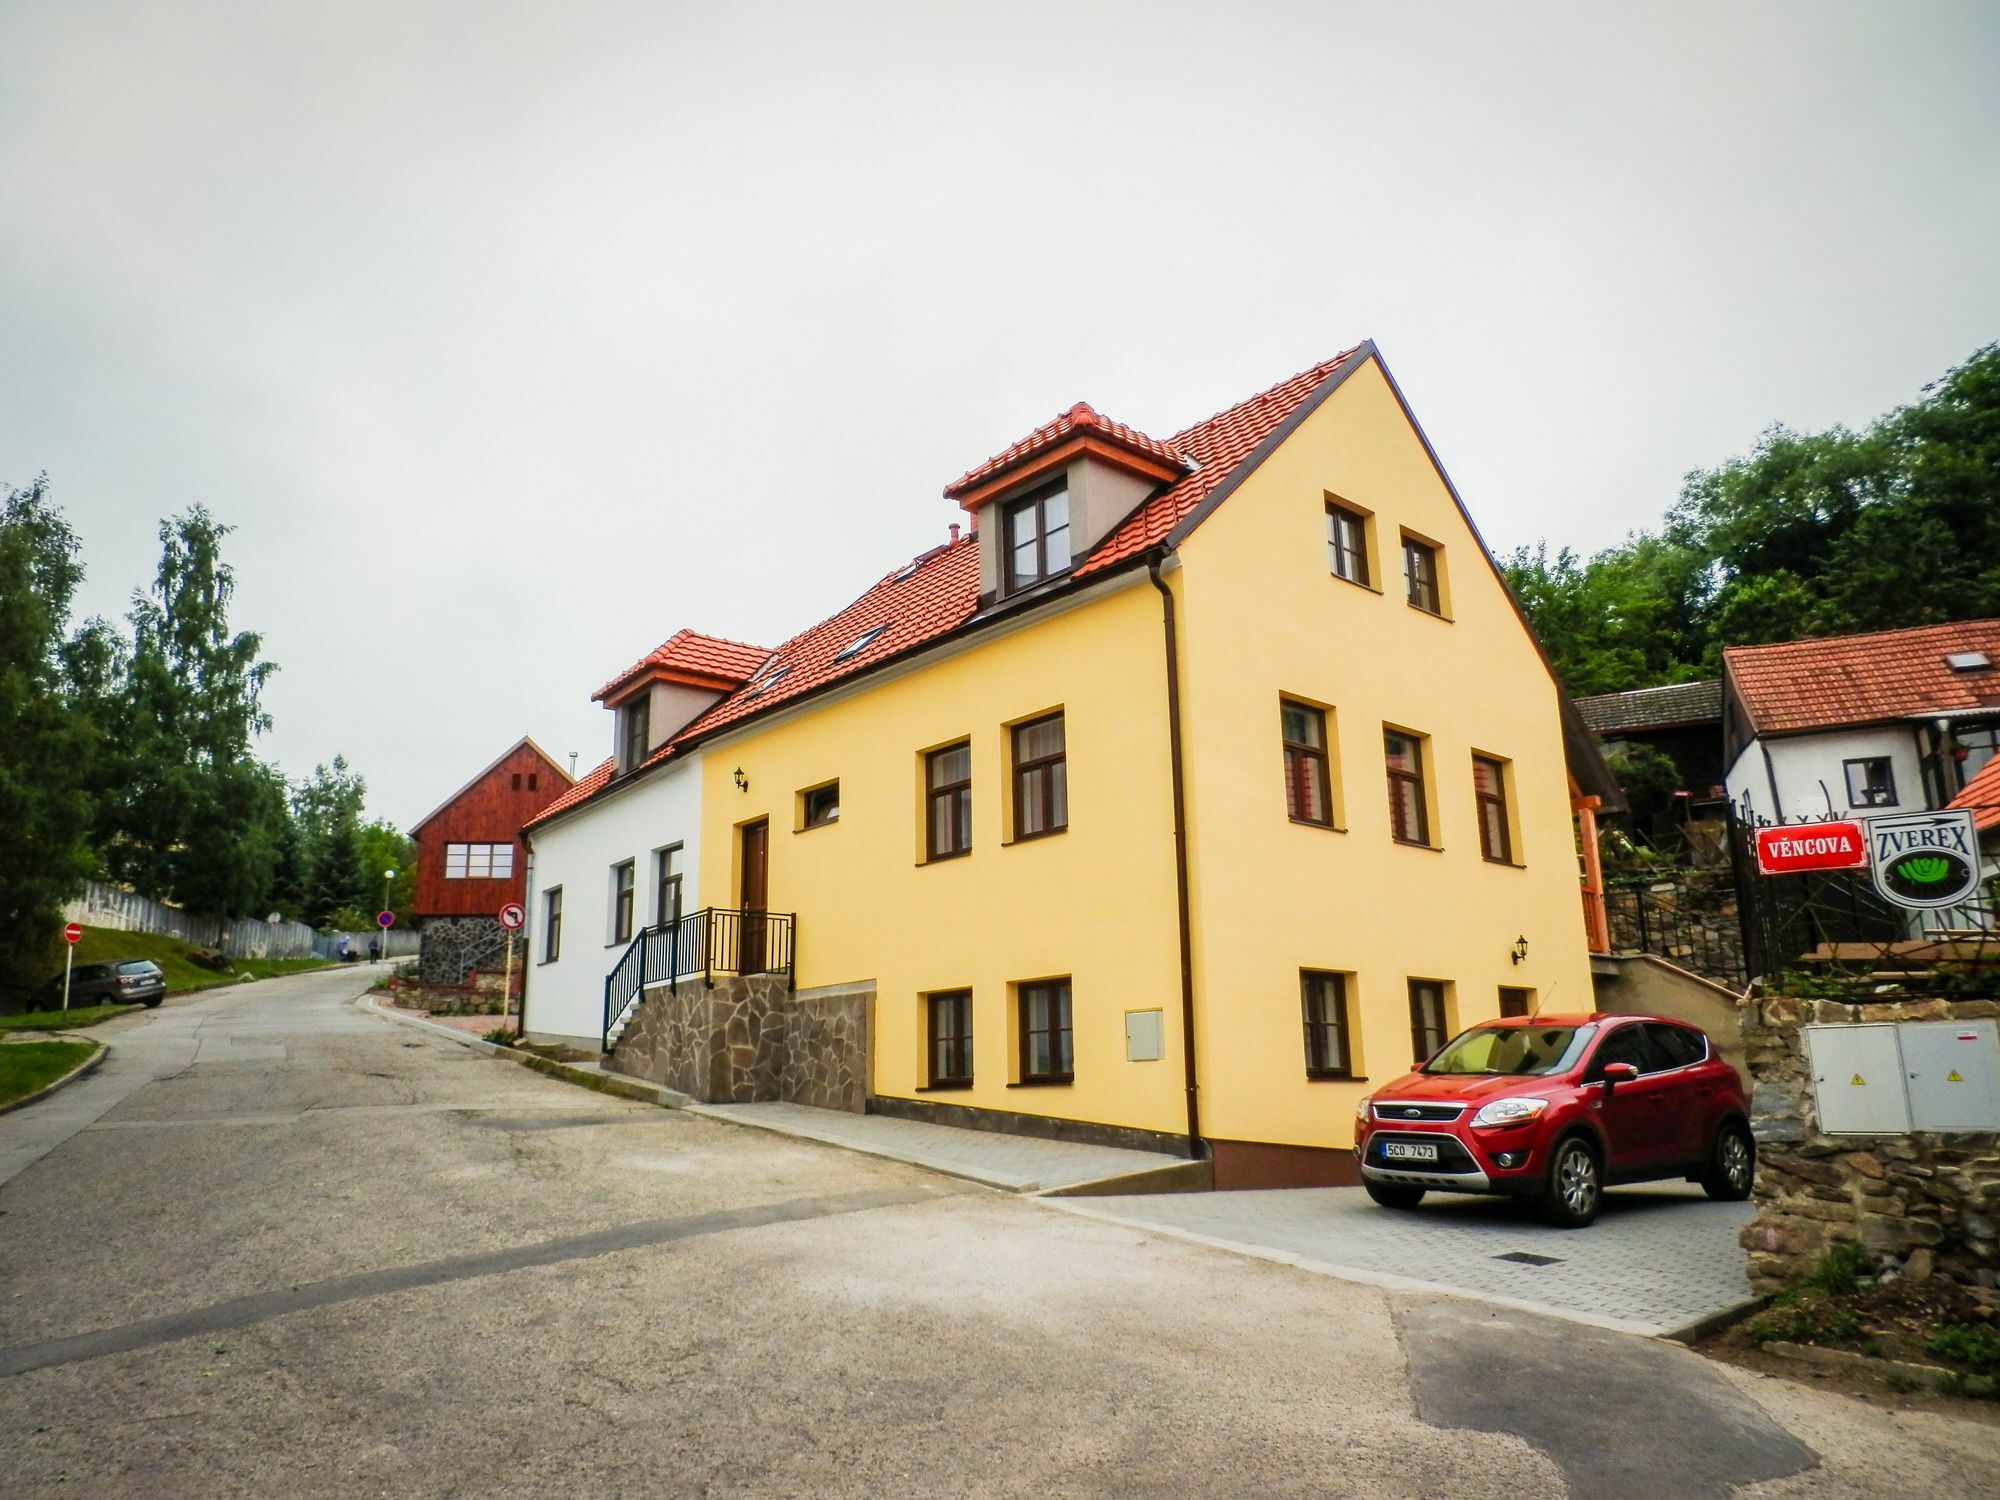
{"x": 703, "y": 944}
{"x": 1688, "y": 917}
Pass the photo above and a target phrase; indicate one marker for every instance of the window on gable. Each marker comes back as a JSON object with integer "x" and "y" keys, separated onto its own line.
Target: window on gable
{"x": 1035, "y": 534}
{"x": 1409, "y": 817}
{"x": 1307, "y": 798}
{"x": 478, "y": 861}
{"x": 1347, "y": 543}
{"x": 517, "y": 781}
{"x": 1420, "y": 576}
{"x": 1489, "y": 791}
{"x": 636, "y": 721}
{"x": 1871, "y": 782}
{"x": 862, "y": 642}
{"x": 1323, "y": 997}
{"x": 534, "y": 780}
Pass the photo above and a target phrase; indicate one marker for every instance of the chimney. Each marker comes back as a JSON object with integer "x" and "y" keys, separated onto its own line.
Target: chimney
{"x": 954, "y": 533}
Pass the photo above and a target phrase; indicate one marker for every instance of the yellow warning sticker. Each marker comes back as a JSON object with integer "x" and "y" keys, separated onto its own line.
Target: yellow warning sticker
{"x": 1858, "y": 1079}
{"x": 1952, "y": 1077}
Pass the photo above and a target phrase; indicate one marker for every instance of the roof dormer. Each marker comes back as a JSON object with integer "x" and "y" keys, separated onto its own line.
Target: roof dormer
{"x": 667, "y": 689}
{"x": 1042, "y": 504}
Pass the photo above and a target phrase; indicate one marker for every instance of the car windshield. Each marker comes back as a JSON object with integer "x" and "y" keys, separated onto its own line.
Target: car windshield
{"x": 1513, "y": 1051}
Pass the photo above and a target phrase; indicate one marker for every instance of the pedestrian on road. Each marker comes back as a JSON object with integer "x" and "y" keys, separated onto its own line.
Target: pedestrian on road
{"x": 374, "y": 949}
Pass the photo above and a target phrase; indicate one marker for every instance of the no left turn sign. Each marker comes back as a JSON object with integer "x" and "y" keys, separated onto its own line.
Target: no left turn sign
{"x": 512, "y": 917}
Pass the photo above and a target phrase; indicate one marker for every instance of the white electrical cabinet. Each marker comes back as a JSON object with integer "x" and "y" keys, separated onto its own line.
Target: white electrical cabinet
{"x": 1145, "y": 1036}
{"x": 1884, "y": 1078}
{"x": 1858, "y": 1079}
{"x": 1953, "y": 1072}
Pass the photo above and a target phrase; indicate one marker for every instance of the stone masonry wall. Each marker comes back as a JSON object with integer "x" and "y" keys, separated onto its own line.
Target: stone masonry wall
{"x": 454, "y": 946}
{"x": 1894, "y": 1195}
{"x": 750, "y": 1039}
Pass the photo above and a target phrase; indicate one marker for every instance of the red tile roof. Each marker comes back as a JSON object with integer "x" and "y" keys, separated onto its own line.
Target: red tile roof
{"x": 1982, "y": 795}
{"x": 939, "y": 591}
{"x": 590, "y": 783}
{"x": 689, "y": 653}
{"x": 1864, "y": 679}
{"x": 1079, "y": 420}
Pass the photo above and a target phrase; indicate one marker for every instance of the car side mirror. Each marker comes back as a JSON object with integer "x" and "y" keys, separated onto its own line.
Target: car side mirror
{"x": 1617, "y": 1073}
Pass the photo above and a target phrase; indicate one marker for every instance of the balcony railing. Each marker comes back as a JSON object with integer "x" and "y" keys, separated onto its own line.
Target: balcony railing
{"x": 703, "y": 944}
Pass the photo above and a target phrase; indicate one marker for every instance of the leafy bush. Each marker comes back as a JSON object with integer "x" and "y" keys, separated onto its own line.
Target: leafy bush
{"x": 503, "y": 1036}
{"x": 1840, "y": 1270}
{"x": 1978, "y": 1347}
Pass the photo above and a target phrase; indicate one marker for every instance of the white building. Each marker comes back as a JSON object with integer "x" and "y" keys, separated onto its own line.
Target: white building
{"x": 1895, "y": 721}
{"x": 613, "y": 856}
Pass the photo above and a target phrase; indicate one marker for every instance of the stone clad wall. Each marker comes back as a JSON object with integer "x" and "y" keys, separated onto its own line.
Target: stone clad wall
{"x": 1894, "y": 1195}
{"x": 454, "y": 946}
{"x": 749, "y": 1040}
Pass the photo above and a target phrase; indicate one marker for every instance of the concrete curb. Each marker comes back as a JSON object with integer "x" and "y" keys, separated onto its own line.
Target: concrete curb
{"x": 582, "y": 1075}
{"x": 1004, "y": 1181}
{"x": 88, "y": 1065}
{"x": 1844, "y": 1359}
{"x": 1715, "y": 1322}
{"x": 1381, "y": 1280}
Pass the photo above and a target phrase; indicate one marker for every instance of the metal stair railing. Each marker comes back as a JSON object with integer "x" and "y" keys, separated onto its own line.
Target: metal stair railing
{"x": 712, "y": 941}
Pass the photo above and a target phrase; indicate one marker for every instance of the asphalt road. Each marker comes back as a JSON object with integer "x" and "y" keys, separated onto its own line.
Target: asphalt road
{"x": 277, "y": 1247}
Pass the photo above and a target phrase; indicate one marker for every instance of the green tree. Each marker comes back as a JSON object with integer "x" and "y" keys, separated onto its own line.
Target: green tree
{"x": 46, "y": 742}
{"x": 335, "y": 884}
{"x": 386, "y": 847}
{"x": 196, "y": 818}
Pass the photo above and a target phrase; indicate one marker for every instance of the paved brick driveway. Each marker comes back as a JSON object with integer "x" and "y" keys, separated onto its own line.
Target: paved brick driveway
{"x": 1660, "y": 1258}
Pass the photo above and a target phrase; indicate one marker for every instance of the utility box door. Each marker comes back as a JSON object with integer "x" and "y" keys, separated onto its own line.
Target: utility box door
{"x": 1953, "y": 1073}
{"x": 1857, "y": 1076}
{"x": 1145, "y": 1036}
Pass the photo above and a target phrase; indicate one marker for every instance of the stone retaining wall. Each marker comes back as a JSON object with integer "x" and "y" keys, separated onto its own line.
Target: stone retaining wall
{"x": 750, "y": 1040}
{"x": 1894, "y": 1195}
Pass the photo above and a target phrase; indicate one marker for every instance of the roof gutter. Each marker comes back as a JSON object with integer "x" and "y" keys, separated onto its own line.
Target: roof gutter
{"x": 1196, "y": 1147}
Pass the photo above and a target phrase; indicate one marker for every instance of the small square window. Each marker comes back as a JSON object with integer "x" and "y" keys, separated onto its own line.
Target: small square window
{"x": 821, "y": 806}
{"x": 1871, "y": 783}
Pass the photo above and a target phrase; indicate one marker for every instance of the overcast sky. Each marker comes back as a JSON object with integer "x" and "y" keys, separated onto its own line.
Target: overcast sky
{"x": 512, "y": 337}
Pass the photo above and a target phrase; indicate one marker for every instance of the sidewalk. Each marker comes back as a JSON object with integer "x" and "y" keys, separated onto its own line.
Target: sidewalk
{"x": 1017, "y": 1163}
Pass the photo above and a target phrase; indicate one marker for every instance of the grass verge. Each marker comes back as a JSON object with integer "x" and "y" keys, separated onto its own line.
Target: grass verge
{"x": 175, "y": 958}
{"x": 63, "y": 1020}
{"x": 27, "y": 1066}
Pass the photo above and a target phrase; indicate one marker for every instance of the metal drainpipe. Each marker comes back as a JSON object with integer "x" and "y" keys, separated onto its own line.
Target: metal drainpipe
{"x": 1197, "y": 1148}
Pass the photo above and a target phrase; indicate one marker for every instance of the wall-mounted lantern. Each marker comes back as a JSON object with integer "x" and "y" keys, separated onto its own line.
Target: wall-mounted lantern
{"x": 742, "y": 781}
{"x": 1519, "y": 952}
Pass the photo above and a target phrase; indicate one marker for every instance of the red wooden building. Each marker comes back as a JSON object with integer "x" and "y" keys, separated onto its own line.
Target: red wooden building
{"x": 470, "y": 861}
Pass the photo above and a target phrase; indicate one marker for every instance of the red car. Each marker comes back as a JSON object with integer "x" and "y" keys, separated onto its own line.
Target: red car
{"x": 1555, "y": 1109}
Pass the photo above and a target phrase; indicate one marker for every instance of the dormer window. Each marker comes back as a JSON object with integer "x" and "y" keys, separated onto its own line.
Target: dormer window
{"x": 1036, "y": 529}
{"x": 862, "y": 642}
{"x": 634, "y": 724}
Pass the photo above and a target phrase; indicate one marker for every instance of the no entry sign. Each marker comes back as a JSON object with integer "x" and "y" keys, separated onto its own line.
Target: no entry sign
{"x": 71, "y": 933}
{"x": 1798, "y": 847}
{"x": 512, "y": 917}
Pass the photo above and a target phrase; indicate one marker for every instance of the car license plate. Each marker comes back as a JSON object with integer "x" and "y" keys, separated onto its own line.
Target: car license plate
{"x": 1409, "y": 1151}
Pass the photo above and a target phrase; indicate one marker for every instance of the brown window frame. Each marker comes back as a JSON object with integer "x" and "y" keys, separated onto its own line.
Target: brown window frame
{"x": 1523, "y": 1001}
{"x": 1856, "y": 796}
{"x": 1048, "y": 770}
{"x": 1036, "y": 501}
{"x": 624, "y": 892}
{"x": 1297, "y": 752}
{"x": 959, "y": 791}
{"x": 1338, "y": 518}
{"x": 1056, "y": 990}
{"x": 1415, "y": 781}
{"x": 1419, "y": 1027}
{"x": 636, "y": 727}
{"x": 956, "y": 1046}
{"x": 1495, "y": 802}
{"x": 552, "y": 924}
{"x": 666, "y": 886}
{"x": 1322, "y": 1061}
{"x": 825, "y": 819}
{"x": 1421, "y": 576}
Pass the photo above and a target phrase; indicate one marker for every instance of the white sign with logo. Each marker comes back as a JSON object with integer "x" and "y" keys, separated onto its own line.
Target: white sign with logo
{"x": 1924, "y": 860}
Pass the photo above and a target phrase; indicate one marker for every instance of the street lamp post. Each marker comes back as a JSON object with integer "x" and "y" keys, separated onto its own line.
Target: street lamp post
{"x": 388, "y": 879}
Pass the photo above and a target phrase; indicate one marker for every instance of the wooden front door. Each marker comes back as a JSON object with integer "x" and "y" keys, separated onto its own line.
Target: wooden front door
{"x": 753, "y": 896}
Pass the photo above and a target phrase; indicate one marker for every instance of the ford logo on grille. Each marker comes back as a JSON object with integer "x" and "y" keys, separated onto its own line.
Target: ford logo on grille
{"x": 1413, "y": 1114}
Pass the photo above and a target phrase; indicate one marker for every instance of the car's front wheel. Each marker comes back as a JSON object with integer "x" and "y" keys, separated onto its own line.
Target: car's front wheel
{"x": 1575, "y": 1188}
{"x": 1394, "y": 1194}
{"x": 1732, "y": 1165}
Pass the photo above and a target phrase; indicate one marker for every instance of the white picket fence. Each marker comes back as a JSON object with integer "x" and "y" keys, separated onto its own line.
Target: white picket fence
{"x": 127, "y": 911}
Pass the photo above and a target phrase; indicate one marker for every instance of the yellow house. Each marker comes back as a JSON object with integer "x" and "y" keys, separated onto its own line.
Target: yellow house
{"x": 1204, "y": 781}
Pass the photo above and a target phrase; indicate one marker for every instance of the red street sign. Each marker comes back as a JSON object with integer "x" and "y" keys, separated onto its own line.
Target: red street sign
{"x": 385, "y": 919}
{"x": 512, "y": 917}
{"x": 72, "y": 933}
{"x": 1798, "y": 847}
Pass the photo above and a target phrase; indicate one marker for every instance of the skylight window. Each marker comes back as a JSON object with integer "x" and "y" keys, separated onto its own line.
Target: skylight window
{"x": 862, "y": 641}
{"x": 1967, "y": 661}
{"x": 764, "y": 684}
{"x": 909, "y": 571}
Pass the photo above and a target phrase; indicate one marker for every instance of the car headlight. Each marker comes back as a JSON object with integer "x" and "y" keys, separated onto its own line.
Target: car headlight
{"x": 1510, "y": 1112}
{"x": 1361, "y": 1109}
